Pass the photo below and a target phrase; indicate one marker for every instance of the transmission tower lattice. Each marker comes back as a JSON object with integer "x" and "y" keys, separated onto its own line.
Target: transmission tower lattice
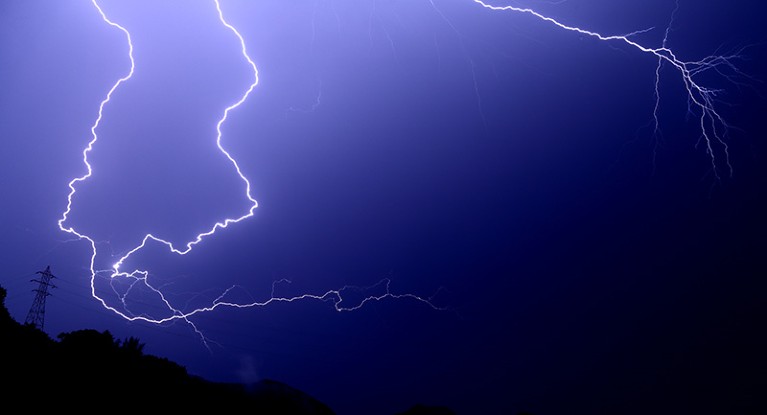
{"x": 36, "y": 315}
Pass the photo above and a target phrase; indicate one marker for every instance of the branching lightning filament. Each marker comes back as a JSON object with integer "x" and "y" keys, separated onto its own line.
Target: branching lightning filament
{"x": 712, "y": 126}
{"x": 335, "y": 297}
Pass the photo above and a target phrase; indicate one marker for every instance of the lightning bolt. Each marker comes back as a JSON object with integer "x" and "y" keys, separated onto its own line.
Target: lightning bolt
{"x": 136, "y": 277}
{"x": 713, "y": 127}
{"x": 713, "y": 131}
{"x": 656, "y": 108}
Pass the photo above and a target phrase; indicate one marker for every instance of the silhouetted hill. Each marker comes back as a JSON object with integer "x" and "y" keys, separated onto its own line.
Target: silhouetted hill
{"x": 92, "y": 371}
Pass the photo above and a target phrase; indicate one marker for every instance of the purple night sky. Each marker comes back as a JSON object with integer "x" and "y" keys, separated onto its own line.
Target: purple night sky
{"x": 504, "y": 168}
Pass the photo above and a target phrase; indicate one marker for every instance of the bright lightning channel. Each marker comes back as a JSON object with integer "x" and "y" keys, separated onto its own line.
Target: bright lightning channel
{"x": 336, "y": 297}
{"x": 713, "y": 130}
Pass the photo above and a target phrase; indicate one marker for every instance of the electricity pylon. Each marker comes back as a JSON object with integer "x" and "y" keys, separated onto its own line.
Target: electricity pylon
{"x": 36, "y": 315}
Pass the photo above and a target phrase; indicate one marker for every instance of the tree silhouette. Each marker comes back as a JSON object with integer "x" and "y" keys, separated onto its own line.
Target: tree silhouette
{"x": 4, "y": 315}
{"x": 133, "y": 346}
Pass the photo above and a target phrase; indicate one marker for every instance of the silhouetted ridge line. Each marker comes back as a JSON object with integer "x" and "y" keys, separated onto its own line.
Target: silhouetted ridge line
{"x": 91, "y": 370}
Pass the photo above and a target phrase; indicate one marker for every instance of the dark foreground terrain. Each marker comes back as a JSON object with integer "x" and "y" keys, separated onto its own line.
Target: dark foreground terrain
{"x": 91, "y": 371}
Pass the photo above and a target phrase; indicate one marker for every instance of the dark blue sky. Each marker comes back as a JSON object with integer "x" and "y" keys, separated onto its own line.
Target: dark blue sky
{"x": 495, "y": 158}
